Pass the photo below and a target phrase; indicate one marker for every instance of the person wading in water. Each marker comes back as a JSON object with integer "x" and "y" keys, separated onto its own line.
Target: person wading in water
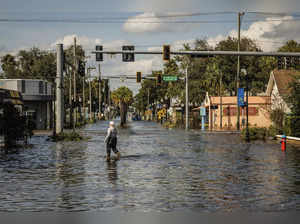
{"x": 111, "y": 141}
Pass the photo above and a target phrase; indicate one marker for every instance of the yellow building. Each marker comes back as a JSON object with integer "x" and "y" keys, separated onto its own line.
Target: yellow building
{"x": 225, "y": 107}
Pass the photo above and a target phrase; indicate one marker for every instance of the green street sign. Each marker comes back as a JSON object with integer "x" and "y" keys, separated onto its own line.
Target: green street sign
{"x": 170, "y": 78}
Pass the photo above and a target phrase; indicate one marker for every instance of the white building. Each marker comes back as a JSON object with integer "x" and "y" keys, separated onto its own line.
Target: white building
{"x": 278, "y": 88}
{"x": 37, "y": 96}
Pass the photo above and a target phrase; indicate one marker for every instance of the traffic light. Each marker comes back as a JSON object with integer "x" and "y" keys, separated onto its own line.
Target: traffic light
{"x": 99, "y": 56}
{"x": 128, "y": 57}
{"x": 158, "y": 79}
{"x": 166, "y": 52}
{"x": 138, "y": 77}
{"x": 81, "y": 68}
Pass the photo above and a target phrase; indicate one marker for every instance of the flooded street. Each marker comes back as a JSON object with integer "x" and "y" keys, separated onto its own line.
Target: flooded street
{"x": 160, "y": 170}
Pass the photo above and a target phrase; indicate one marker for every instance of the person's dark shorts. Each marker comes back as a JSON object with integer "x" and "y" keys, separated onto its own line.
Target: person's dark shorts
{"x": 112, "y": 147}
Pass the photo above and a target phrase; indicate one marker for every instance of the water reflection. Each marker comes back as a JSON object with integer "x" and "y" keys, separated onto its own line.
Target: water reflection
{"x": 159, "y": 170}
{"x": 70, "y": 173}
{"x": 112, "y": 173}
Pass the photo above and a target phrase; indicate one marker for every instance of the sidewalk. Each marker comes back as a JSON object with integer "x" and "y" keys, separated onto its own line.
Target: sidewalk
{"x": 42, "y": 132}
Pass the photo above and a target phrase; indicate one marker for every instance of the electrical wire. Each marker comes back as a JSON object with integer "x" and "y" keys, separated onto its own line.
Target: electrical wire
{"x": 142, "y": 22}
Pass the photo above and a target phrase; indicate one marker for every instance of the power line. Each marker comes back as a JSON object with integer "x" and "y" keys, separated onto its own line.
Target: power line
{"x": 140, "y": 22}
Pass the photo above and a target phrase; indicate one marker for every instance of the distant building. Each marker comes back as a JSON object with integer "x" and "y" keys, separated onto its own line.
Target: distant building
{"x": 37, "y": 97}
{"x": 259, "y": 111}
{"x": 279, "y": 87}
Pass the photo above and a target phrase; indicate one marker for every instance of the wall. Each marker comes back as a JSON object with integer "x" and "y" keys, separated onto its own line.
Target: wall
{"x": 260, "y": 119}
{"x": 31, "y": 86}
{"x": 9, "y": 84}
{"x": 277, "y": 101}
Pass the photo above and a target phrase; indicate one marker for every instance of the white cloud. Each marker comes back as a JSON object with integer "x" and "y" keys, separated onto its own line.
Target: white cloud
{"x": 154, "y": 22}
{"x": 269, "y": 34}
{"x": 84, "y": 41}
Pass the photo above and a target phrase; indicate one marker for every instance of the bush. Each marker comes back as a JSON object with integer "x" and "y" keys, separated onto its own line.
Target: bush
{"x": 70, "y": 136}
{"x": 295, "y": 126}
{"x": 272, "y": 131}
{"x": 255, "y": 133}
{"x": 169, "y": 124}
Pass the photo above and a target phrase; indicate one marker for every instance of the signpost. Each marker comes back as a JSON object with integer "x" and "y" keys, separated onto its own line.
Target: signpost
{"x": 203, "y": 114}
{"x": 170, "y": 78}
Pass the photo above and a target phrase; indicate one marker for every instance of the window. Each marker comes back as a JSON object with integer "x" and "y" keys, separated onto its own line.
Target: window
{"x": 41, "y": 87}
{"x": 46, "y": 89}
{"x": 23, "y": 86}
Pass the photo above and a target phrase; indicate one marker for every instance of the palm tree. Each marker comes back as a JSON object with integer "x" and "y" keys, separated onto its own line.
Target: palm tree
{"x": 122, "y": 97}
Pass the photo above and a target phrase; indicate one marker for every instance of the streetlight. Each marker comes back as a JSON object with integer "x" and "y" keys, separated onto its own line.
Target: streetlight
{"x": 247, "y": 90}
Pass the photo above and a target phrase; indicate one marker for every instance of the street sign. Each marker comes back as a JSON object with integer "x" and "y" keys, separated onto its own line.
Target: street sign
{"x": 202, "y": 111}
{"x": 241, "y": 97}
{"x": 170, "y": 78}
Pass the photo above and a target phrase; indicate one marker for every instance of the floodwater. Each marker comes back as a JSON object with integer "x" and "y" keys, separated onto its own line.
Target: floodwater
{"x": 160, "y": 170}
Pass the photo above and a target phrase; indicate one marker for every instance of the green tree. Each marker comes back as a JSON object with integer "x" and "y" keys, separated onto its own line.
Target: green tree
{"x": 291, "y": 46}
{"x": 122, "y": 97}
{"x": 13, "y": 126}
{"x": 31, "y": 64}
{"x": 10, "y": 67}
{"x": 294, "y": 102}
{"x": 228, "y": 66}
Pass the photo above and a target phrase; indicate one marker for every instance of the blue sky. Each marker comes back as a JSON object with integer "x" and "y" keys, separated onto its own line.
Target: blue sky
{"x": 20, "y": 35}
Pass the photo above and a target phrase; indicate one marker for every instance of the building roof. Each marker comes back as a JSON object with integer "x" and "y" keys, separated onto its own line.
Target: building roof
{"x": 282, "y": 78}
{"x": 232, "y": 100}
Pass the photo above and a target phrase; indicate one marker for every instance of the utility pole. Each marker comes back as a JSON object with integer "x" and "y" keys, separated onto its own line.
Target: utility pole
{"x": 240, "y": 14}
{"x": 59, "y": 90}
{"x": 244, "y": 71}
{"x": 99, "y": 102}
{"x": 186, "y": 99}
{"x": 221, "y": 103}
{"x": 83, "y": 97}
{"x": 90, "y": 91}
{"x": 90, "y": 94}
{"x": 108, "y": 93}
{"x": 70, "y": 97}
{"x": 247, "y": 109}
{"x": 74, "y": 80}
{"x": 148, "y": 97}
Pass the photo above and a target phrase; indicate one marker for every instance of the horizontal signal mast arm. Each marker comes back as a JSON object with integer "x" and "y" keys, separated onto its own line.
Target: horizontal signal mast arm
{"x": 126, "y": 77}
{"x": 209, "y": 53}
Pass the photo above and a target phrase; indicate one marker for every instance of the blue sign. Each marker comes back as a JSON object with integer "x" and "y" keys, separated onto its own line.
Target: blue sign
{"x": 202, "y": 111}
{"x": 241, "y": 102}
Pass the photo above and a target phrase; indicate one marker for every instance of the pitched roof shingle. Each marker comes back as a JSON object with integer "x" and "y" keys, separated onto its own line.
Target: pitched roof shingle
{"x": 283, "y": 78}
